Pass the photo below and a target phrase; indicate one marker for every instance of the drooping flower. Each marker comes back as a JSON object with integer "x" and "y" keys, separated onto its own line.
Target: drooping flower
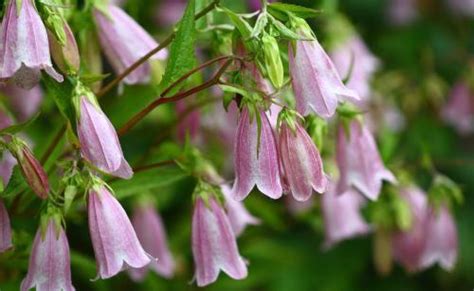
{"x": 459, "y": 111}
{"x": 441, "y": 239}
{"x": 353, "y": 57}
{"x": 214, "y": 245}
{"x": 238, "y": 215}
{"x": 301, "y": 162}
{"x": 24, "y": 48}
{"x": 114, "y": 240}
{"x": 255, "y": 161}
{"x": 152, "y": 235}
{"x": 402, "y": 12}
{"x": 24, "y": 103}
{"x": 49, "y": 268}
{"x": 316, "y": 82}
{"x": 99, "y": 142}
{"x": 359, "y": 162}
{"x": 124, "y": 42}
{"x": 5, "y": 229}
{"x": 342, "y": 217}
{"x": 408, "y": 246}
{"x": 32, "y": 171}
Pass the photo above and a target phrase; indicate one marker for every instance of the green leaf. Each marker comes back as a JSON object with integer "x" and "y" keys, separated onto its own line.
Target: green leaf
{"x": 182, "y": 55}
{"x": 260, "y": 25}
{"x": 16, "y": 184}
{"x": 242, "y": 26}
{"x": 281, "y": 11}
{"x": 16, "y": 128}
{"x": 284, "y": 31}
{"x": 147, "y": 180}
{"x": 62, "y": 96}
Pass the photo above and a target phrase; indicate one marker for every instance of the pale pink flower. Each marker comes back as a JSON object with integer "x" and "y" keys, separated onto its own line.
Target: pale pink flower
{"x": 214, "y": 245}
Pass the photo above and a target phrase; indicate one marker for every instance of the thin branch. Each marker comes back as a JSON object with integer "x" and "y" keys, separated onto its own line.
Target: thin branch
{"x": 140, "y": 115}
{"x": 153, "y": 166}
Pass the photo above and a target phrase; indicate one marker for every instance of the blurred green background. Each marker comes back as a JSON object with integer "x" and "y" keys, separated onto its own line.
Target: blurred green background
{"x": 420, "y": 62}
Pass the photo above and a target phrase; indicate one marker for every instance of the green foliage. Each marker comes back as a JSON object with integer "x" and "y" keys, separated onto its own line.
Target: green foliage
{"x": 182, "y": 51}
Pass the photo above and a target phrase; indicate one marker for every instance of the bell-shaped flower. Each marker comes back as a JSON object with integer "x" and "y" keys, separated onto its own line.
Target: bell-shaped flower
{"x": 301, "y": 162}
{"x": 99, "y": 141}
{"x": 441, "y": 239}
{"x": 214, "y": 245}
{"x": 255, "y": 161}
{"x": 352, "y": 58}
{"x": 152, "y": 235}
{"x": 459, "y": 111}
{"x": 316, "y": 82}
{"x": 5, "y": 228}
{"x": 238, "y": 215}
{"x": 24, "y": 48}
{"x": 24, "y": 103}
{"x": 124, "y": 42}
{"x": 342, "y": 217}
{"x": 49, "y": 268}
{"x": 408, "y": 245}
{"x": 359, "y": 162}
{"x": 114, "y": 240}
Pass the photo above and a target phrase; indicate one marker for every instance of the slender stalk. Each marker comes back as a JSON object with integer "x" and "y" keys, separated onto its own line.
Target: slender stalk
{"x": 145, "y": 58}
{"x": 140, "y": 115}
{"x": 57, "y": 138}
{"x": 153, "y": 166}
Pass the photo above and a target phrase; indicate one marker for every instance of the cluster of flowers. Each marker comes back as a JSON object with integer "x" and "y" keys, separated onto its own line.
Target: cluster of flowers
{"x": 277, "y": 155}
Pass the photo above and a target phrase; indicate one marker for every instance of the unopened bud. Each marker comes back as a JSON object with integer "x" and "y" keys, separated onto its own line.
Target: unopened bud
{"x": 32, "y": 170}
{"x": 273, "y": 62}
{"x": 65, "y": 52}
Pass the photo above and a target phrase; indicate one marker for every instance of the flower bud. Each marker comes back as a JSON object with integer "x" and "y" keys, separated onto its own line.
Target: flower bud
{"x": 49, "y": 267}
{"x": 114, "y": 240}
{"x": 24, "y": 48}
{"x": 273, "y": 63}
{"x": 5, "y": 229}
{"x": 99, "y": 140}
{"x": 31, "y": 169}
{"x": 65, "y": 55}
{"x": 214, "y": 245}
